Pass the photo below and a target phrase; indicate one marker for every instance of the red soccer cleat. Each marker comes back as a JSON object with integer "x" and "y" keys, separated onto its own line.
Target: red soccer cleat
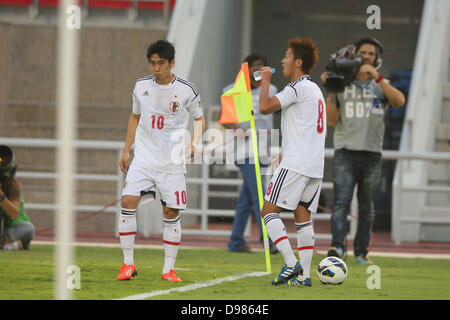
{"x": 127, "y": 271}
{"x": 171, "y": 276}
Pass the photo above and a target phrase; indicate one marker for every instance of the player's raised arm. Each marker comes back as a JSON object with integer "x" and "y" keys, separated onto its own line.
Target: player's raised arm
{"x": 267, "y": 104}
{"x": 133, "y": 122}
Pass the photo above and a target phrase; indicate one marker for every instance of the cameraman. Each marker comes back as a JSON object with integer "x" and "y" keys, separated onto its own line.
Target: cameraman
{"x": 16, "y": 229}
{"x": 358, "y": 116}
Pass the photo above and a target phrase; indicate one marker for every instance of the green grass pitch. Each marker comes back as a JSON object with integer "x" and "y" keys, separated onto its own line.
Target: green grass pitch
{"x": 29, "y": 275}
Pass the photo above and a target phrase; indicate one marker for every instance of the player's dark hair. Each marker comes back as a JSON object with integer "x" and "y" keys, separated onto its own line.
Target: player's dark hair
{"x": 305, "y": 49}
{"x": 163, "y": 48}
{"x": 252, "y": 58}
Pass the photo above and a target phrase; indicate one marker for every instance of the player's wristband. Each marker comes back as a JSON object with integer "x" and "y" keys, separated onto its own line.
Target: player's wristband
{"x": 379, "y": 78}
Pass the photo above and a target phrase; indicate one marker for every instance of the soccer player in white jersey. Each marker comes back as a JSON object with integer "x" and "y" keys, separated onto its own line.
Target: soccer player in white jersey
{"x": 296, "y": 183}
{"x": 162, "y": 105}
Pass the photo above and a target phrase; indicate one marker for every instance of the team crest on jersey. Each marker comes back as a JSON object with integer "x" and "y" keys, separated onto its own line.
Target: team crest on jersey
{"x": 174, "y": 105}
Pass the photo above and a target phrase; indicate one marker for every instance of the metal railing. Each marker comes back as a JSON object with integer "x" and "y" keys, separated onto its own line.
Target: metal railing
{"x": 400, "y": 215}
{"x": 204, "y": 212}
{"x": 79, "y": 144}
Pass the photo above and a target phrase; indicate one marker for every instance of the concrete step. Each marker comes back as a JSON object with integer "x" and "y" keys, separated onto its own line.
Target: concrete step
{"x": 88, "y": 193}
{"x": 84, "y": 131}
{"x": 88, "y": 161}
{"x": 446, "y": 90}
{"x": 436, "y": 226}
{"x": 44, "y": 220}
{"x": 443, "y": 131}
{"x": 436, "y": 212}
{"x": 96, "y": 193}
{"x": 440, "y": 199}
{"x": 446, "y": 103}
{"x": 446, "y": 110}
{"x": 442, "y": 146}
{"x": 438, "y": 172}
{"x": 438, "y": 175}
{"x": 443, "y": 137}
{"x": 46, "y": 113}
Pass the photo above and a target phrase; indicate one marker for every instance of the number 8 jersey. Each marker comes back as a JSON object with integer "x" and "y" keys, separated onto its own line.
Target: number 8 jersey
{"x": 303, "y": 127}
{"x": 165, "y": 111}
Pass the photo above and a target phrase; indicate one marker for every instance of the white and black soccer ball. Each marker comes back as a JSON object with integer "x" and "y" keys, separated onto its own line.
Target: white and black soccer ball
{"x": 332, "y": 270}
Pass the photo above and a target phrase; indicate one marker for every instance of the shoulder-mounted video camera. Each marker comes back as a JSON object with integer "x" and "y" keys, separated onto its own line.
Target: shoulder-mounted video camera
{"x": 8, "y": 166}
{"x": 345, "y": 63}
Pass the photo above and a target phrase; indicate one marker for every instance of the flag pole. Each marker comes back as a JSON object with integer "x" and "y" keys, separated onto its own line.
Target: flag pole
{"x": 260, "y": 191}
{"x": 237, "y": 107}
{"x": 258, "y": 174}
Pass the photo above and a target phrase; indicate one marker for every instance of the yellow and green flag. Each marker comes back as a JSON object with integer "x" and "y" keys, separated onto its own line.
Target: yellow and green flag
{"x": 237, "y": 107}
{"x": 237, "y": 102}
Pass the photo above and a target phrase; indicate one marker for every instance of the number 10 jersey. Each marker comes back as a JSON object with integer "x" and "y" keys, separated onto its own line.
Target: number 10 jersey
{"x": 164, "y": 113}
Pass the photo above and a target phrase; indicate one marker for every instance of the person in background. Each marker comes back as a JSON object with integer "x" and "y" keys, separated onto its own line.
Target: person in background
{"x": 248, "y": 201}
{"x": 357, "y": 114}
{"x": 16, "y": 229}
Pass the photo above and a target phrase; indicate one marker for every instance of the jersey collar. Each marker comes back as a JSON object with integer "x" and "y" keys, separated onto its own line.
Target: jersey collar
{"x": 165, "y": 85}
{"x": 305, "y": 77}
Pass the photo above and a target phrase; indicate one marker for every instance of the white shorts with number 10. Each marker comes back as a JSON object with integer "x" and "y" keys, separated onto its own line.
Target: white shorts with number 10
{"x": 171, "y": 188}
{"x": 288, "y": 189}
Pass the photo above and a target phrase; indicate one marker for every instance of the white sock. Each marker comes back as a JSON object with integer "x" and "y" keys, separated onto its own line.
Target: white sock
{"x": 305, "y": 240}
{"x": 171, "y": 242}
{"x": 277, "y": 233}
{"x": 127, "y": 233}
{"x": 12, "y": 246}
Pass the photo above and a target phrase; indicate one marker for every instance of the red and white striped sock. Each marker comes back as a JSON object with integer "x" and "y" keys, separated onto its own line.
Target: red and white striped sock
{"x": 171, "y": 242}
{"x": 127, "y": 233}
{"x": 305, "y": 241}
{"x": 277, "y": 233}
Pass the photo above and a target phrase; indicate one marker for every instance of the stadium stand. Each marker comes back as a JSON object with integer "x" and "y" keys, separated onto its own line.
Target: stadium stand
{"x": 149, "y": 5}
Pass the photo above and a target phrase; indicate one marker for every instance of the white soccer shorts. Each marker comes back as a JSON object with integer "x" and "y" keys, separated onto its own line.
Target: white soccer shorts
{"x": 171, "y": 188}
{"x": 288, "y": 189}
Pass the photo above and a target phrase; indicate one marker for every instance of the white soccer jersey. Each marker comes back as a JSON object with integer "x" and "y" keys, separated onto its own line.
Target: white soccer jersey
{"x": 303, "y": 127}
{"x": 165, "y": 111}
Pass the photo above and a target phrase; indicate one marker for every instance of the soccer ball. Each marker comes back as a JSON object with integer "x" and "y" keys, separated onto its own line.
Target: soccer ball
{"x": 332, "y": 270}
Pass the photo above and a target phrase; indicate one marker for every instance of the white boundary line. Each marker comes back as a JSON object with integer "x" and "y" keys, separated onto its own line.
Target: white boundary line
{"x": 194, "y": 286}
{"x": 409, "y": 255}
{"x": 155, "y": 246}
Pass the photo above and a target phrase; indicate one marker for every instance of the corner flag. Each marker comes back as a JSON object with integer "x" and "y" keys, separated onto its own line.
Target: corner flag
{"x": 237, "y": 107}
{"x": 237, "y": 102}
